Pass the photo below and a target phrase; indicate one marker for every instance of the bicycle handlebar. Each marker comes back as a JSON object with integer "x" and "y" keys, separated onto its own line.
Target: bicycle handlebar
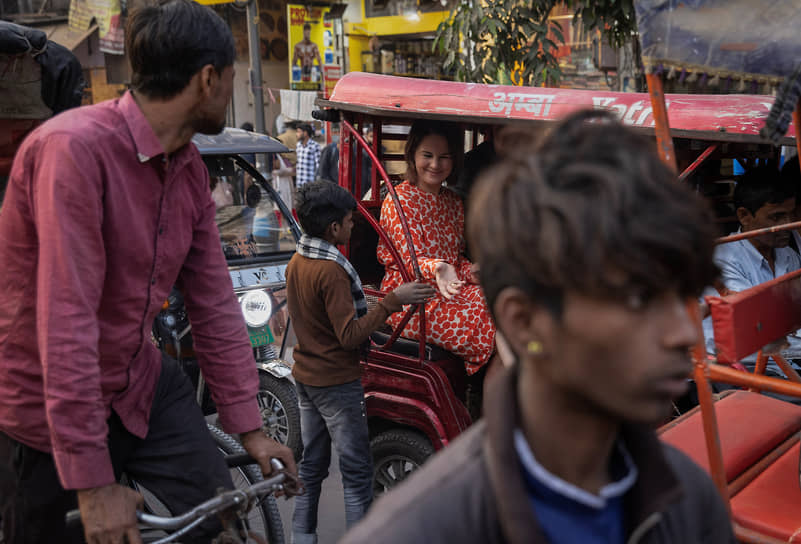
{"x": 242, "y": 459}
{"x": 225, "y": 500}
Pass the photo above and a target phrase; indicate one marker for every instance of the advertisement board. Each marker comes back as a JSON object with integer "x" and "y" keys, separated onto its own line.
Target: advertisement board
{"x": 331, "y": 74}
{"x": 311, "y": 42}
{"x": 108, "y": 16}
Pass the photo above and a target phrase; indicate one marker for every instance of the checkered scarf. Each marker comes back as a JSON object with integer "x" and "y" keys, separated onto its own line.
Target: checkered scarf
{"x": 317, "y": 248}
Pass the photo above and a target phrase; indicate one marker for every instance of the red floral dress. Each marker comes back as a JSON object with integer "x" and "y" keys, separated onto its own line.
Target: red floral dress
{"x": 462, "y": 325}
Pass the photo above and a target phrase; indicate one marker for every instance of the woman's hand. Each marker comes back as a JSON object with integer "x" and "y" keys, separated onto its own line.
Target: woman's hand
{"x": 448, "y": 282}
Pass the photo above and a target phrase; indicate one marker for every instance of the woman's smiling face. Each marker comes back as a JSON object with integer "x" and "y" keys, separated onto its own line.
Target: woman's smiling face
{"x": 433, "y": 162}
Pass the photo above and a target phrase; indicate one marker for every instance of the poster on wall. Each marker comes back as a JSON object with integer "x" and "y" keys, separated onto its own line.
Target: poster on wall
{"x": 331, "y": 74}
{"x": 107, "y": 14}
{"x": 311, "y": 42}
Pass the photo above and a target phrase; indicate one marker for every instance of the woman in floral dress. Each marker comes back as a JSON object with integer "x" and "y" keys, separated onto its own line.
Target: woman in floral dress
{"x": 457, "y": 319}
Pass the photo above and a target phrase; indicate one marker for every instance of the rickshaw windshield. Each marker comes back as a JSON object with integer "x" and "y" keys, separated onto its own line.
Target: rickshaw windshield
{"x": 251, "y": 223}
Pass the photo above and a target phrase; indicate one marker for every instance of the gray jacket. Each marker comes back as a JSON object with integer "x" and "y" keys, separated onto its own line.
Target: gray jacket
{"x": 473, "y": 491}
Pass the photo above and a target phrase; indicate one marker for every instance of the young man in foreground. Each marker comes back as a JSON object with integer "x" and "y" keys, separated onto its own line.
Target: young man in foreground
{"x": 331, "y": 320}
{"x": 589, "y": 249}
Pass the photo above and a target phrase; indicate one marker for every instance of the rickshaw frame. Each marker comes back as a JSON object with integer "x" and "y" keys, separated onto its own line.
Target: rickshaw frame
{"x": 431, "y": 404}
{"x": 706, "y": 370}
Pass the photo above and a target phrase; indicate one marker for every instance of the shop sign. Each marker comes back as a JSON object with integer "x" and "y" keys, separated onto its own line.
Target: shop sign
{"x": 331, "y": 74}
{"x": 311, "y": 42}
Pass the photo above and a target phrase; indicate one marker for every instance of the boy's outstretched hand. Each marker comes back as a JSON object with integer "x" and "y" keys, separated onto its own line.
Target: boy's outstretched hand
{"x": 414, "y": 292}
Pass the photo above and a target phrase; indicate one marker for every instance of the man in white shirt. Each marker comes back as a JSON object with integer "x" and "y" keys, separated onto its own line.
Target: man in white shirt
{"x": 762, "y": 199}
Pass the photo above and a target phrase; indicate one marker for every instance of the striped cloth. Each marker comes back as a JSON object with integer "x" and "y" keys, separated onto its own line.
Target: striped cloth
{"x": 317, "y": 248}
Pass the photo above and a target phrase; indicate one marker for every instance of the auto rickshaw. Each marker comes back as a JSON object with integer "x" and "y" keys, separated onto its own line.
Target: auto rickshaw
{"x": 416, "y": 392}
{"x": 258, "y": 235}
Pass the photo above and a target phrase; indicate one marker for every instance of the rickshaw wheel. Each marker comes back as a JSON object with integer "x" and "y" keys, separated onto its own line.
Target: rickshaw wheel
{"x": 396, "y": 454}
{"x": 278, "y": 403}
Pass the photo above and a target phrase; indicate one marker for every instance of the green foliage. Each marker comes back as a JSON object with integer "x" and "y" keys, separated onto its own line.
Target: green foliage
{"x": 614, "y": 18}
{"x": 505, "y": 41}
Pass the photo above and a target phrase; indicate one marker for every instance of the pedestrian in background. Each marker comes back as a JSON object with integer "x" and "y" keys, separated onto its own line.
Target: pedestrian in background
{"x": 308, "y": 155}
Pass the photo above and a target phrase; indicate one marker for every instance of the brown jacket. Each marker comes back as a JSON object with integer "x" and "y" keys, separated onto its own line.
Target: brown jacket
{"x": 473, "y": 491}
{"x": 321, "y": 307}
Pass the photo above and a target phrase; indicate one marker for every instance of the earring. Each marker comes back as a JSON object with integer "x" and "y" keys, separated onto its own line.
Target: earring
{"x": 534, "y": 347}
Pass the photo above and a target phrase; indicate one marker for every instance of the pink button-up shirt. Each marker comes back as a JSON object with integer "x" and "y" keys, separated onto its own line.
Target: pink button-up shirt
{"x": 95, "y": 229}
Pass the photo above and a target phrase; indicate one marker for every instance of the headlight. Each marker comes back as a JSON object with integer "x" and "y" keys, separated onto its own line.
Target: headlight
{"x": 256, "y": 307}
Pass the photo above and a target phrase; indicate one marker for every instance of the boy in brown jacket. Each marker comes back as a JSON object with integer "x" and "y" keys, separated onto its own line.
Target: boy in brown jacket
{"x": 331, "y": 320}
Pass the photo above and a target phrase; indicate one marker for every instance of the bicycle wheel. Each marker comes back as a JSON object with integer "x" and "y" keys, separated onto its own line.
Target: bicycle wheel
{"x": 264, "y": 518}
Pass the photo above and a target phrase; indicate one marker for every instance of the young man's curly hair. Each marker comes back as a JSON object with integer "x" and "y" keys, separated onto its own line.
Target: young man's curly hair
{"x": 590, "y": 209}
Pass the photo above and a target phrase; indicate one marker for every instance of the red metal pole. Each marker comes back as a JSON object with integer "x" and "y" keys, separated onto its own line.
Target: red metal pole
{"x": 664, "y": 142}
{"x": 378, "y": 137}
{"x": 698, "y": 162}
{"x": 726, "y": 374}
{"x": 344, "y": 157}
{"x": 759, "y": 369}
{"x": 404, "y": 224}
{"x": 758, "y": 232}
{"x": 788, "y": 370}
{"x": 707, "y": 404}
{"x": 797, "y": 123}
{"x": 362, "y": 144}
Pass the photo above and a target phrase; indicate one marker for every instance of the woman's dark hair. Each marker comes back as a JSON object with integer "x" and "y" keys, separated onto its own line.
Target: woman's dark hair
{"x": 592, "y": 210}
{"x": 452, "y": 134}
{"x": 763, "y": 185}
{"x": 321, "y": 203}
{"x": 169, "y": 43}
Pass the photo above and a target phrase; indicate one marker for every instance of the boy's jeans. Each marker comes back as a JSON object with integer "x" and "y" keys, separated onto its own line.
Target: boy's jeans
{"x": 332, "y": 414}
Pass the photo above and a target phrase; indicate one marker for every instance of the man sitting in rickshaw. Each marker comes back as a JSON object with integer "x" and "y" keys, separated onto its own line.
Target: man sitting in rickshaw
{"x": 762, "y": 199}
{"x": 589, "y": 250}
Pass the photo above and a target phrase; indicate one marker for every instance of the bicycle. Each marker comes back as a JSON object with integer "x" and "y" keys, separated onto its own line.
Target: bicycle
{"x": 248, "y": 510}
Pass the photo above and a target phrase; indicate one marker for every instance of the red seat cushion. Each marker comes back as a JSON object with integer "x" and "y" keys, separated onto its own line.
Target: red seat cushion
{"x": 750, "y": 425}
{"x": 771, "y": 503}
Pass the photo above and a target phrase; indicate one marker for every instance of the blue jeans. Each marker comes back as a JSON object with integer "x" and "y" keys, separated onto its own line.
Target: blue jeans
{"x": 332, "y": 414}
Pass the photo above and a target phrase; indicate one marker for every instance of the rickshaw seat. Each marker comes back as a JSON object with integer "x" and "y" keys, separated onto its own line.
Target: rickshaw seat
{"x": 750, "y": 426}
{"x": 404, "y": 346}
{"x": 771, "y": 503}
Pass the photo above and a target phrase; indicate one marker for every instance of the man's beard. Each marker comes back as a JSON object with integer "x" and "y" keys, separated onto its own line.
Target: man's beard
{"x": 209, "y": 126}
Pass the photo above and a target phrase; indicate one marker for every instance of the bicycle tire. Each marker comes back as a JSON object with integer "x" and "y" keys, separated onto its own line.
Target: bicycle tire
{"x": 267, "y": 507}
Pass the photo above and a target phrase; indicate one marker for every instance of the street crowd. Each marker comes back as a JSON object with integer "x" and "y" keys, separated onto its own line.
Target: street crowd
{"x": 569, "y": 315}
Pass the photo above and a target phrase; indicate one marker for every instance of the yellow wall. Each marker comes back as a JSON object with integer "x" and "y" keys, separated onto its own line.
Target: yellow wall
{"x": 357, "y": 43}
{"x": 359, "y": 33}
{"x": 398, "y": 24}
{"x": 100, "y": 89}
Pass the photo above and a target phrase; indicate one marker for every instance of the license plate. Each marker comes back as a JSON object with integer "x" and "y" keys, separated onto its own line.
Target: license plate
{"x": 261, "y": 337}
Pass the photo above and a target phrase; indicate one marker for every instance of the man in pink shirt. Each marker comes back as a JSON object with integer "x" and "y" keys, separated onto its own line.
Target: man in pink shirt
{"x": 107, "y": 208}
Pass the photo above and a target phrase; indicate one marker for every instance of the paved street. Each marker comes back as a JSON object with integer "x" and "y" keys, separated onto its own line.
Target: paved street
{"x": 331, "y": 520}
{"x": 331, "y": 512}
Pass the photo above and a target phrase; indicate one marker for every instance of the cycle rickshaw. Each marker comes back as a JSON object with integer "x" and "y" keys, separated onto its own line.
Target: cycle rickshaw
{"x": 415, "y": 392}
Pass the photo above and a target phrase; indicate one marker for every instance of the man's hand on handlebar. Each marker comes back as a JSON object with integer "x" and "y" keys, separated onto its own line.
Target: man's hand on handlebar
{"x": 263, "y": 448}
{"x": 109, "y": 514}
